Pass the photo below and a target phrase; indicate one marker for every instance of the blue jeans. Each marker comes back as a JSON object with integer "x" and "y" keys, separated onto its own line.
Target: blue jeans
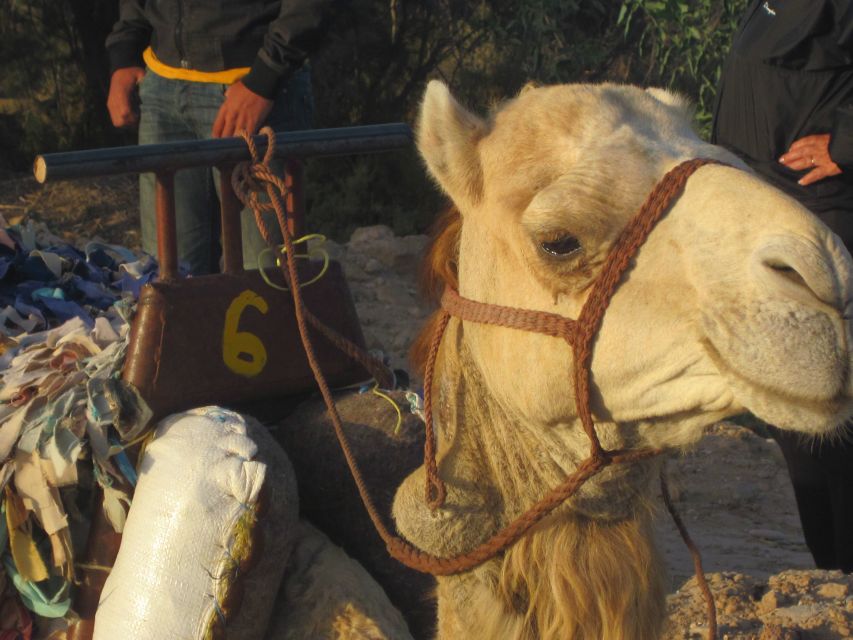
{"x": 172, "y": 110}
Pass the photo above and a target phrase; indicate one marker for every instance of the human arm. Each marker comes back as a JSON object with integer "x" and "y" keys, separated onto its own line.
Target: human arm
{"x": 841, "y": 142}
{"x": 125, "y": 44}
{"x": 831, "y": 153}
{"x": 291, "y": 37}
{"x": 129, "y": 36}
{"x": 825, "y": 154}
{"x": 121, "y": 101}
{"x": 242, "y": 110}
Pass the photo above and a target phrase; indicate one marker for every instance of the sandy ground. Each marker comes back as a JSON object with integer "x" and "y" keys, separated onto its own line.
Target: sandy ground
{"x": 735, "y": 497}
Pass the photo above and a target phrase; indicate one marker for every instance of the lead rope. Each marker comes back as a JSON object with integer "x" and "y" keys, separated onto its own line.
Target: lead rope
{"x": 694, "y": 553}
{"x": 249, "y": 178}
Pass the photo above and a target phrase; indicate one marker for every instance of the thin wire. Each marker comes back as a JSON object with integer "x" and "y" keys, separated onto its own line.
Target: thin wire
{"x": 282, "y": 249}
{"x": 375, "y": 391}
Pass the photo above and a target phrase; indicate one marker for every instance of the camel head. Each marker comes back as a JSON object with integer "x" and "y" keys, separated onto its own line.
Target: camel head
{"x": 739, "y": 299}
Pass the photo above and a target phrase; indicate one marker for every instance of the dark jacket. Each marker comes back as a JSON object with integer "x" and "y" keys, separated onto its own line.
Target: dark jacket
{"x": 790, "y": 74}
{"x": 273, "y": 37}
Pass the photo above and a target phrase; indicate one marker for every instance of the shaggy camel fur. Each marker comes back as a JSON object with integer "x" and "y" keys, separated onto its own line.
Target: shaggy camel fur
{"x": 737, "y": 301}
{"x": 326, "y": 595}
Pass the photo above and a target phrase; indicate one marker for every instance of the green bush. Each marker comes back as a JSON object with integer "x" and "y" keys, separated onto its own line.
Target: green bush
{"x": 682, "y": 45}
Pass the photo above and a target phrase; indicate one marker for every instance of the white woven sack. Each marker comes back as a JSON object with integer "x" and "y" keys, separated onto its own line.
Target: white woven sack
{"x": 196, "y": 479}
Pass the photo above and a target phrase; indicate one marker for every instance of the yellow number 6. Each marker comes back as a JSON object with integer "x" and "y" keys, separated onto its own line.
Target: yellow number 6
{"x": 243, "y": 352}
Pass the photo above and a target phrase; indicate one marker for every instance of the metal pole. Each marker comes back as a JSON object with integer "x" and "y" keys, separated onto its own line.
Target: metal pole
{"x": 172, "y": 156}
{"x": 232, "y": 233}
{"x": 294, "y": 178}
{"x": 167, "y": 233}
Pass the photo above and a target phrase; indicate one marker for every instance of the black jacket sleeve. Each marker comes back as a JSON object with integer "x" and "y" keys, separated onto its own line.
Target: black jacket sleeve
{"x": 841, "y": 135}
{"x": 297, "y": 32}
{"x": 841, "y": 138}
{"x": 129, "y": 37}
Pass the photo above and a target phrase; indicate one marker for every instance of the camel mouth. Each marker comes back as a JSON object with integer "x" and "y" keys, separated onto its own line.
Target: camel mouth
{"x": 816, "y": 416}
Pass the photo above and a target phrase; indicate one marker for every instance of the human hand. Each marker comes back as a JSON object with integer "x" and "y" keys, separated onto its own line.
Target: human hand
{"x": 121, "y": 101}
{"x": 242, "y": 109}
{"x": 811, "y": 152}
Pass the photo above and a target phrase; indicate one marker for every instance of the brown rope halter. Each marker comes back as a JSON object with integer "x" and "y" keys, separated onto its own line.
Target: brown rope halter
{"x": 578, "y": 333}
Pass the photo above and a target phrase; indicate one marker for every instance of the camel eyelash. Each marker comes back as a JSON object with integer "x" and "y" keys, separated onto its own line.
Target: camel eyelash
{"x": 560, "y": 246}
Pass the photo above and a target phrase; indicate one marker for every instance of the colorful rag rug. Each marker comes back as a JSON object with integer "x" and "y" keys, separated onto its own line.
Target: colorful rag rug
{"x": 65, "y": 415}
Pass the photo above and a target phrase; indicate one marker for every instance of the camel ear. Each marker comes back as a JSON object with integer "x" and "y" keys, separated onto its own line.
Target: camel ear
{"x": 447, "y": 137}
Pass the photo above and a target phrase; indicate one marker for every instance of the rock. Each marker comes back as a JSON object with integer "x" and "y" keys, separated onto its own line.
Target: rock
{"x": 367, "y": 235}
{"x": 391, "y": 295}
{"x": 775, "y": 632}
{"x": 354, "y": 274}
{"x": 373, "y": 341}
{"x": 336, "y": 251}
{"x": 768, "y": 603}
{"x": 791, "y": 605}
{"x": 798, "y": 615}
{"x": 833, "y": 590}
{"x": 372, "y": 266}
{"x": 400, "y": 341}
{"x": 378, "y": 247}
{"x": 362, "y": 295}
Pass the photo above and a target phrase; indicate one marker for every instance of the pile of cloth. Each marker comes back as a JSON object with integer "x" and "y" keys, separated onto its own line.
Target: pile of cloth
{"x": 65, "y": 415}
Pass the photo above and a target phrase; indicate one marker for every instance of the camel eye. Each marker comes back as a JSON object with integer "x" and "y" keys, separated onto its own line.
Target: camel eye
{"x": 561, "y": 247}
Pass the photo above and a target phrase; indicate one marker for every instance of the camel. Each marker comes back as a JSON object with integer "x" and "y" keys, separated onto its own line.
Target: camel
{"x": 738, "y": 301}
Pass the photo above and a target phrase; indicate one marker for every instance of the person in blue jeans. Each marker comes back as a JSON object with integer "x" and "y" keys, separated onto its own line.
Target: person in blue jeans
{"x": 191, "y": 72}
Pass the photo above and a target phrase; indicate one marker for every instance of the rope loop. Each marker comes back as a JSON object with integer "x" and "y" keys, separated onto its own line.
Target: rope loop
{"x": 282, "y": 249}
{"x": 254, "y": 177}
{"x": 436, "y": 492}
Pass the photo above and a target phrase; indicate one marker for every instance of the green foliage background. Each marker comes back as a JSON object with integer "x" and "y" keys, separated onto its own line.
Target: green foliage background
{"x": 373, "y": 69}
{"x": 683, "y": 44}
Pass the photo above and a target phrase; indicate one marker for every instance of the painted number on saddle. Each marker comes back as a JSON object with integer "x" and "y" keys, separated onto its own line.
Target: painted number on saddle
{"x": 243, "y": 352}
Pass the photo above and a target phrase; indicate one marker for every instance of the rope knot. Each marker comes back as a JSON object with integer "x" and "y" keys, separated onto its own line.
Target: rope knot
{"x": 254, "y": 176}
{"x": 436, "y": 491}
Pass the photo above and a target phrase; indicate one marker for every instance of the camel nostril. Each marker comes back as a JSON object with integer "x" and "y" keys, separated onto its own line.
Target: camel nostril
{"x": 800, "y": 270}
{"x": 788, "y": 272}
{"x": 799, "y": 280}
